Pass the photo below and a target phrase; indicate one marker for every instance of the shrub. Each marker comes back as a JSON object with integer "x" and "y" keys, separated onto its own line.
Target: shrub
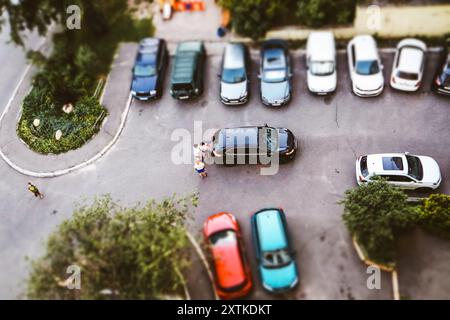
{"x": 374, "y": 213}
{"x": 434, "y": 214}
{"x": 317, "y": 13}
{"x": 123, "y": 253}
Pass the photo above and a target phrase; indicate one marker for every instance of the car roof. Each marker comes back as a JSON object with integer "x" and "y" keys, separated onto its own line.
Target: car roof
{"x": 238, "y": 137}
{"x": 228, "y": 263}
{"x": 184, "y": 67}
{"x": 271, "y": 233}
{"x": 321, "y": 46}
{"x": 410, "y": 59}
{"x": 189, "y": 46}
{"x": 365, "y": 47}
{"x": 234, "y": 57}
{"x": 274, "y": 58}
{"x": 381, "y": 164}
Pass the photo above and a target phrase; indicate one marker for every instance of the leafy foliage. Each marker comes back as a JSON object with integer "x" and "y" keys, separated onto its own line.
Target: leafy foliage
{"x": 70, "y": 75}
{"x": 374, "y": 213}
{"x": 434, "y": 214}
{"x": 253, "y": 18}
{"x": 124, "y": 253}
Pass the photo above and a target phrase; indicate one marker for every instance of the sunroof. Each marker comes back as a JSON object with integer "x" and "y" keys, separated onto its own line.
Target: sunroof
{"x": 392, "y": 163}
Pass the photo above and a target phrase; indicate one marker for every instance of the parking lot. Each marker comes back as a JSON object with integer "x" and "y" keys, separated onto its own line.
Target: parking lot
{"x": 332, "y": 131}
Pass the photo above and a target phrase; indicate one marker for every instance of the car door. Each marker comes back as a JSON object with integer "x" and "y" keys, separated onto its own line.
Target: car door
{"x": 403, "y": 182}
{"x": 351, "y": 59}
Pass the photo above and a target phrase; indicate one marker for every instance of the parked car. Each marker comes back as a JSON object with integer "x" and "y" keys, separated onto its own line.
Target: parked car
{"x": 253, "y": 144}
{"x": 441, "y": 83}
{"x": 235, "y": 76}
{"x": 275, "y": 257}
{"x": 187, "y": 71}
{"x": 409, "y": 64}
{"x": 275, "y": 73}
{"x": 403, "y": 170}
{"x": 365, "y": 66}
{"x": 149, "y": 69}
{"x": 232, "y": 276}
{"x": 321, "y": 62}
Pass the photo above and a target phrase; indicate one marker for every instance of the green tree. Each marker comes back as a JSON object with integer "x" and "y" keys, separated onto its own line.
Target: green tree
{"x": 374, "y": 213}
{"x": 124, "y": 253}
{"x": 317, "y": 13}
{"x": 434, "y": 214}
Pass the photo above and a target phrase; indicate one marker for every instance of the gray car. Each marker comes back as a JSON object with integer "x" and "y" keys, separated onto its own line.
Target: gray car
{"x": 234, "y": 84}
{"x": 275, "y": 73}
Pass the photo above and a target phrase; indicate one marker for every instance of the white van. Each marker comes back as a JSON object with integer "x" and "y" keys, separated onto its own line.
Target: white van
{"x": 321, "y": 62}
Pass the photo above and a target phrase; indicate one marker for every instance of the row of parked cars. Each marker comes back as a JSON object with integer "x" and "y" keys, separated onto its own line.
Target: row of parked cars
{"x": 275, "y": 70}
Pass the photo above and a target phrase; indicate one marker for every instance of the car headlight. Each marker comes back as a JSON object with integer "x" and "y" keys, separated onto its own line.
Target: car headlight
{"x": 153, "y": 92}
{"x": 133, "y": 93}
{"x": 196, "y": 90}
{"x": 267, "y": 287}
{"x": 216, "y": 154}
{"x": 293, "y": 284}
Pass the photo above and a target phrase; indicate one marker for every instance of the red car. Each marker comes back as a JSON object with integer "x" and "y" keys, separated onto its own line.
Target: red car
{"x": 231, "y": 271}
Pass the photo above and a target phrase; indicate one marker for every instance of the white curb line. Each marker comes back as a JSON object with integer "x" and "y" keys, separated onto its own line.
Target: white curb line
{"x": 205, "y": 262}
{"x": 78, "y": 166}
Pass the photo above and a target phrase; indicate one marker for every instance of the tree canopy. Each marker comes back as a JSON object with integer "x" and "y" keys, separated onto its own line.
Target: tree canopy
{"x": 374, "y": 213}
{"x": 139, "y": 252}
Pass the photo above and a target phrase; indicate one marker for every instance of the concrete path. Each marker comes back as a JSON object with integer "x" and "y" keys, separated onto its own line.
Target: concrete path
{"x": 116, "y": 99}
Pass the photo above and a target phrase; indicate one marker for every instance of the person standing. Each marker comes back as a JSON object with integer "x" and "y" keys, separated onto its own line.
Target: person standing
{"x": 33, "y": 189}
{"x": 200, "y": 168}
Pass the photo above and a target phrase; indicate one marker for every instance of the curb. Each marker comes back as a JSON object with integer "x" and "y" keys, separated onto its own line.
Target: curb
{"x": 205, "y": 262}
{"x": 61, "y": 172}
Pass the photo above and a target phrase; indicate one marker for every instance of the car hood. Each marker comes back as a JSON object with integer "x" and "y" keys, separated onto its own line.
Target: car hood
{"x": 279, "y": 278}
{"x": 286, "y": 139}
{"x": 143, "y": 84}
{"x": 431, "y": 171}
{"x": 233, "y": 91}
{"x": 321, "y": 83}
{"x": 273, "y": 91}
{"x": 368, "y": 83}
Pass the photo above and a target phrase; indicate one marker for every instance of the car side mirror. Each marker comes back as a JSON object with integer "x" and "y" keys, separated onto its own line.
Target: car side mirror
{"x": 219, "y": 75}
{"x": 291, "y": 75}
{"x": 259, "y": 76}
{"x": 407, "y": 152}
{"x": 382, "y": 67}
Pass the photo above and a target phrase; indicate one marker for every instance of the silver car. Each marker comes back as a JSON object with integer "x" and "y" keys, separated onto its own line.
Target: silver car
{"x": 234, "y": 79}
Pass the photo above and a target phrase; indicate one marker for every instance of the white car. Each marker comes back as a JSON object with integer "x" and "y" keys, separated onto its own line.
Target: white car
{"x": 365, "y": 66}
{"x": 321, "y": 62}
{"x": 409, "y": 63}
{"x": 400, "y": 169}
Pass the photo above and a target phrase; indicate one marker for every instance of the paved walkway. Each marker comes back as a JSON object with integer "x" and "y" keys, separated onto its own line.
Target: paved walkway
{"x": 385, "y": 21}
{"x": 115, "y": 98}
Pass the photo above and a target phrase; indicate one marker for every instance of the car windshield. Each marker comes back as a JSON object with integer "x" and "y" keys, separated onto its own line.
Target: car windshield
{"x": 322, "y": 68}
{"x": 224, "y": 238}
{"x": 144, "y": 71}
{"x": 407, "y": 75}
{"x": 367, "y": 67}
{"x": 276, "y": 259}
{"x": 415, "y": 169}
{"x": 275, "y": 75}
{"x": 271, "y": 137}
{"x": 233, "y": 75}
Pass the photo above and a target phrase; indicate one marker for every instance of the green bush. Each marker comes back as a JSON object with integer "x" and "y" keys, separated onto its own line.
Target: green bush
{"x": 374, "y": 213}
{"x": 70, "y": 75}
{"x": 434, "y": 214}
{"x": 138, "y": 252}
{"x": 253, "y": 18}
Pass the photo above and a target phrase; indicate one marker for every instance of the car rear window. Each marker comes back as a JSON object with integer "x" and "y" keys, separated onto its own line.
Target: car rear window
{"x": 392, "y": 163}
{"x": 182, "y": 86}
{"x": 363, "y": 166}
{"x": 407, "y": 75}
{"x": 367, "y": 67}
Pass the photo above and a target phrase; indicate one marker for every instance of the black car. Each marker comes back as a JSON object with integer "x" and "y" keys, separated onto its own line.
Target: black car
{"x": 441, "y": 83}
{"x": 253, "y": 145}
{"x": 149, "y": 69}
{"x": 275, "y": 73}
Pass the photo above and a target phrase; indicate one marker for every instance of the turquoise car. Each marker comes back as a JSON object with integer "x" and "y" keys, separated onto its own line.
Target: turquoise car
{"x": 276, "y": 263}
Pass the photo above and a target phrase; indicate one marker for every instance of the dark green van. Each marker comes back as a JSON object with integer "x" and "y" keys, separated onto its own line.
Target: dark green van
{"x": 187, "y": 70}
